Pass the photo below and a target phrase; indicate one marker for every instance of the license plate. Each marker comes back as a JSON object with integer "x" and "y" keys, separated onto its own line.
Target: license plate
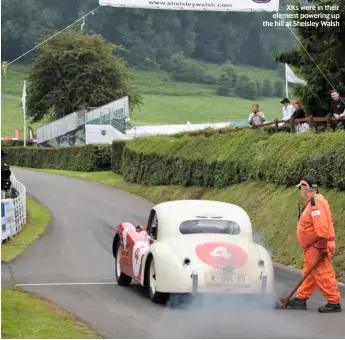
{"x": 229, "y": 279}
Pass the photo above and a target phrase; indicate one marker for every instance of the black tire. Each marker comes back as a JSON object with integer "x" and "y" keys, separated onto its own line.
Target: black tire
{"x": 121, "y": 278}
{"x": 156, "y": 297}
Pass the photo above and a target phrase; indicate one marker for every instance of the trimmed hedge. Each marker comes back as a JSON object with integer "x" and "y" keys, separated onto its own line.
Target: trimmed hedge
{"x": 116, "y": 156}
{"x": 221, "y": 160}
{"x": 77, "y": 158}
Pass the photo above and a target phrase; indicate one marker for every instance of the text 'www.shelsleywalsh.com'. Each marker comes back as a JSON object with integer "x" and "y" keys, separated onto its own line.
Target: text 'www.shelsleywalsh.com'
{"x": 188, "y": 4}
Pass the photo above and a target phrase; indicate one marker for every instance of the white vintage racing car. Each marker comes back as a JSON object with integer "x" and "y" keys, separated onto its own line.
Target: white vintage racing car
{"x": 193, "y": 246}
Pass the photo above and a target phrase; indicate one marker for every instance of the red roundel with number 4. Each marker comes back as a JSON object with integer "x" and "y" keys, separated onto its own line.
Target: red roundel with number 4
{"x": 220, "y": 254}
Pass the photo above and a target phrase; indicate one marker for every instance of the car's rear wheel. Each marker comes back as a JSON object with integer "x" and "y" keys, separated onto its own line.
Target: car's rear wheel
{"x": 155, "y": 296}
{"x": 121, "y": 278}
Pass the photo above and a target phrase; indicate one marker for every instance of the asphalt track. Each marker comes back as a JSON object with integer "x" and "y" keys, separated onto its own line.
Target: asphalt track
{"x": 76, "y": 250}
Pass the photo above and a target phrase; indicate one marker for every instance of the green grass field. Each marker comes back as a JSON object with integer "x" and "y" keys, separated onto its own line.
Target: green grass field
{"x": 165, "y": 101}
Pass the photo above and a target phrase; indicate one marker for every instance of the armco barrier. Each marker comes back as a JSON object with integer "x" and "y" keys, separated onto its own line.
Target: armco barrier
{"x": 13, "y": 211}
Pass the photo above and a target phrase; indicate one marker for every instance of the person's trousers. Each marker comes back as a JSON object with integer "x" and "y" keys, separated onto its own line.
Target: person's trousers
{"x": 322, "y": 277}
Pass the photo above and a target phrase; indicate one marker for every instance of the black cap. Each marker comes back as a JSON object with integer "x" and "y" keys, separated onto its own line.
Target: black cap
{"x": 285, "y": 100}
{"x": 308, "y": 181}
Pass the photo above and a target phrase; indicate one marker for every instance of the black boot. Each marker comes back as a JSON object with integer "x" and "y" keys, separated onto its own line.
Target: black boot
{"x": 296, "y": 303}
{"x": 330, "y": 308}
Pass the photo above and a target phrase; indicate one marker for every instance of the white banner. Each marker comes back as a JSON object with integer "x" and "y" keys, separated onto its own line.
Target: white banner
{"x": 198, "y": 5}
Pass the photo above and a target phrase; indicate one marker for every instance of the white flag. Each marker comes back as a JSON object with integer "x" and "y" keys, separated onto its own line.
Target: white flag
{"x": 24, "y": 98}
{"x": 291, "y": 77}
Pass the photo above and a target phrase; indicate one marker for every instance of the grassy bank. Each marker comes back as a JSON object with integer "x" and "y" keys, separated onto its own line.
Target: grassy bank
{"x": 38, "y": 217}
{"x": 28, "y": 316}
{"x": 272, "y": 208}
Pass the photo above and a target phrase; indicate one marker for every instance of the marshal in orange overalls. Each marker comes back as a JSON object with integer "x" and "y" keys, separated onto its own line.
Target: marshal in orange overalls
{"x": 315, "y": 234}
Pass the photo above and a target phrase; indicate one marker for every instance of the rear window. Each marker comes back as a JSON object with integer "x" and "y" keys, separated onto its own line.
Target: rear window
{"x": 209, "y": 226}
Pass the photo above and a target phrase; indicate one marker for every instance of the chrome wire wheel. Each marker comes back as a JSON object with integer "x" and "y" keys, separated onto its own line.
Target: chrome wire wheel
{"x": 152, "y": 277}
{"x": 117, "y": 262}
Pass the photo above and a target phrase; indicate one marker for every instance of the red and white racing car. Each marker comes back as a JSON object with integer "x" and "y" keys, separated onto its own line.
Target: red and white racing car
{"x": 193, "y": 246}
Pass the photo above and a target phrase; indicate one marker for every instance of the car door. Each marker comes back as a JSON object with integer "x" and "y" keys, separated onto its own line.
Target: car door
{"x": 141, "y": 248}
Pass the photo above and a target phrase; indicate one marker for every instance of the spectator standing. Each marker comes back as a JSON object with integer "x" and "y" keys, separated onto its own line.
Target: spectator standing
{"x": 299, "y": 114}
{"x": 337, "y": 108}
{"x": 288, "y": 109}
{"x": 299, "y": 110}
{"x": 256, "y": 117}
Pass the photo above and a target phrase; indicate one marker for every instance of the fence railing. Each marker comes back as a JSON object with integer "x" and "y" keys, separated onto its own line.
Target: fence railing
{"x": 13, "y": 211}
{"x": 310, "y": 120}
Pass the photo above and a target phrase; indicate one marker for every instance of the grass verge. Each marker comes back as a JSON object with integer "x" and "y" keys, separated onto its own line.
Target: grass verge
{"x": 272, "y": 209}
{"x": 28, "y": 316}
{"x": 38, "y": 217}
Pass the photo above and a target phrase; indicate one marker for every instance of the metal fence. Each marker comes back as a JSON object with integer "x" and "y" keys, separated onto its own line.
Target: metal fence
{"x": 13, "y": 210}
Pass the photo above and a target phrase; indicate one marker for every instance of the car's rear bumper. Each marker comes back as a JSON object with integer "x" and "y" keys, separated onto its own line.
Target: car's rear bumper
{"x": 260, "y": 284}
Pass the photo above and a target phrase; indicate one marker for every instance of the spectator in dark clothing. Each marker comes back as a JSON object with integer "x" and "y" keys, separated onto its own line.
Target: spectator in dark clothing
{"x": 299, "y": 110}
{"x": 299, "y": 114}
{"x": 337, "y": 108}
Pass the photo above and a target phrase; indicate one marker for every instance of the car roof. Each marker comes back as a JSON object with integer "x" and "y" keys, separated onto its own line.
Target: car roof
{"x": 171, "y": 214}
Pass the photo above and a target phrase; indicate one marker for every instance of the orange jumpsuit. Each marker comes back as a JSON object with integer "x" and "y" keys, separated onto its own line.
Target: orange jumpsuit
{"x": 316, "y": 221}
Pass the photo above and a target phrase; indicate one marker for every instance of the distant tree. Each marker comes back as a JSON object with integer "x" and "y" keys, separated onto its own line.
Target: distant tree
{"x": 267, "y": 89}
{"x": 226, "y": 83}
{"x": 325, "y": 46}
{"x": 251, "y": 91}
{"x": 259, "y": 88}
{"x": 188, "y": 70}
{"x": 242, "y": 86}
{"x": 74, "y": 71}
{"x": 278, "y": 88}
{"x": 224, "y": 87}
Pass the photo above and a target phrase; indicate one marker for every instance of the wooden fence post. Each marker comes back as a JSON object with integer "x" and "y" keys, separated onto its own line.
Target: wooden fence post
{"x": 310, "y": 119}
{"x": 329, "y": 124}
{"x": 292, "y": 125}
{"x": 276, "y": 127}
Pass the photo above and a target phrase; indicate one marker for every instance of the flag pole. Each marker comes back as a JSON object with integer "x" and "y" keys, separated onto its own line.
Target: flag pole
{"x": 24, "y": 110}
{"x": 286, "y": 82}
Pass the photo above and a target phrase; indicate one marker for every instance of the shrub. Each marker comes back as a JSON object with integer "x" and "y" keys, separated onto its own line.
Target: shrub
{"x": 188, "y": 70}
{"x": 224, "y": 159}
{"x": 242, "y": 87}
{"x": 267, "y": 88}
{"x": 77, "y": 158}
{"x": 278, "y": 90}
{"x": 227, "y": 81}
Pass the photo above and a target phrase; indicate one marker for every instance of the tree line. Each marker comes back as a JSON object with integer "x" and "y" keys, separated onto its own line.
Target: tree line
{"x": 229, "y": 83}
{"x": 150, "y": 37}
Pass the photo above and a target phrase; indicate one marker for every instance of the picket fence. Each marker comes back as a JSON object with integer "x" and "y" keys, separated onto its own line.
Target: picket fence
{"x": 13, "y": 211}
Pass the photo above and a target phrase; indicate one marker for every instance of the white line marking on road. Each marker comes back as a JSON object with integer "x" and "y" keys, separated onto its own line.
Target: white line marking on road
{"x": 65, "y": 284}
